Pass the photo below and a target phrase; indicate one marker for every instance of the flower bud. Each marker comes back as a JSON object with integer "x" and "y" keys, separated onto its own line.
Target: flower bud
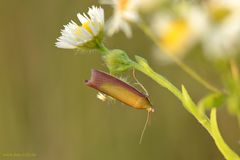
{"x": 117, "y": 61}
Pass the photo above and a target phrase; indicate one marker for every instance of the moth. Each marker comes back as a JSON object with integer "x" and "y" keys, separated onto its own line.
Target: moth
{"x": 121, "y": 91}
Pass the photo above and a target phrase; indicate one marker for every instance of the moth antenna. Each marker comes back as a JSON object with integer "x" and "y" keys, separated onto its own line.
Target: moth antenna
{"x": 140, "y": 84}
{"x": 150, "y": 118}
{"x": 145, "y": 126}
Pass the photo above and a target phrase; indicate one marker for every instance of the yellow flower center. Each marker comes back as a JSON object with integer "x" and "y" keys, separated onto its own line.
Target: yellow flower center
{"x": 122, "y": 4}
{"x": 175, "y": 37}
{"x": 218, "y": 14}
{"x": 85, "y": 26}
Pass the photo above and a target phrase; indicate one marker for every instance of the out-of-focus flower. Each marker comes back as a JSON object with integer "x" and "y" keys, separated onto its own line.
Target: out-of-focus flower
{"x": 119, "y": 90}
{"x": 222, "y": 39}
{"x": 85, "y": 36}
{"x": 149, "y": 5}
{"x": 178, "y": 33}
{"x": 125, "y": 11}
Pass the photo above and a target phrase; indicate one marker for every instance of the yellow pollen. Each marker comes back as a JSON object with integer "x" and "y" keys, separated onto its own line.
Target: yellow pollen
{"x": 175, "y": 37}
{"x": 86, "y": 26}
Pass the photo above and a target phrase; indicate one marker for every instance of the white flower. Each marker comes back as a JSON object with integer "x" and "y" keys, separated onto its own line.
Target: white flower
{"x": 222, "y": 39}
{"x": 149, "y": 5}
{"x": 87, "y": 35}
{"x": 177, "y": 34}
{"x": 125, "y": 11}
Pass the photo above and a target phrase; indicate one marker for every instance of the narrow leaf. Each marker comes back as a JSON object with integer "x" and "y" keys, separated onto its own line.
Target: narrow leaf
{"x": 228, "y": 153}
{"x": 141, "y": 61}
{"x": 214, "y": 100}
{"x": 187, "y": 100}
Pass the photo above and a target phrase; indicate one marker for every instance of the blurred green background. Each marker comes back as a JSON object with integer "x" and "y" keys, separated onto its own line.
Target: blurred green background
{"x": 46, "y": 109}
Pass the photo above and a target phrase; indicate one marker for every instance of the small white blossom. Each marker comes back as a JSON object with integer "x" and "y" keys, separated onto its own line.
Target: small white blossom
{"x": 149, "y": 5}
{"x": 125, "y": 11}
{"x": 177, "y": 34}
{"x": 222, "y": 39}
{"x": 87, "y": 34}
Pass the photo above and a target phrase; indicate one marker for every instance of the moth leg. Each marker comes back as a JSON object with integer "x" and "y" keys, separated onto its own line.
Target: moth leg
{"x": 140, "y": 84}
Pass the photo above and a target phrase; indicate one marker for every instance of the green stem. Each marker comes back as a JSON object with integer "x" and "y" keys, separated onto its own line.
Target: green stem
{"x": 159, "y": 79}
{"x": 168, "y": 85}
{"x": 182, "y": 65}
{"x": 223, "y": 147}
{"x": 234, "y": 69}
{"x": 103, "y": 50}
{"x": 191, "y": 107}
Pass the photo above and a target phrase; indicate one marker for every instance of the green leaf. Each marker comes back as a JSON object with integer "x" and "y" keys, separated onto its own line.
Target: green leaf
{"x": 213, "y": 100}
{"x": 141, "y": 61}
{"x": 187, "y": 100}
{"x": 228, "y": 153}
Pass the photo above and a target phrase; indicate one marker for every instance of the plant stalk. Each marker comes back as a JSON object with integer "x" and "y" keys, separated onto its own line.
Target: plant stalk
{"x": 210, "y": 125}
